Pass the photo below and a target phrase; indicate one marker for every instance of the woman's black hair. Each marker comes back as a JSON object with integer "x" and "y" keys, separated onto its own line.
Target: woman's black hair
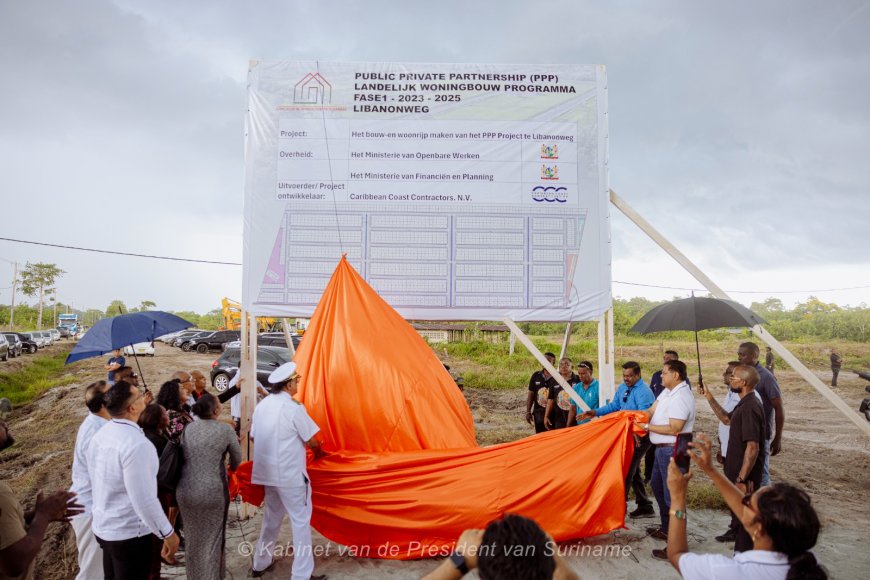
{"x": 515, "y": 547}
{"x": 205, "y": 406}
{"x": 170, "y": 395}
{"x": 150, "y": 418}
{"x": 790, "y": 521}
{"x": 118, "y": 398}
{"x": 95, "y": 396}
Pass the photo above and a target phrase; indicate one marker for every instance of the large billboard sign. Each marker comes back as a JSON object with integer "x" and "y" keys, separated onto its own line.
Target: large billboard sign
{"x": 458, "y": 191}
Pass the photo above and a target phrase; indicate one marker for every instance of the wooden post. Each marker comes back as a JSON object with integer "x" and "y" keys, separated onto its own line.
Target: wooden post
{"x": 546, "y": 364}
{"x": 606, "y": 375}
{"x": 565, "y": 341}
{"x": 248, "y": 366}
{"x": 759, "y": 331}
{"x": 512, "y": 344}
{"x": 285, "y": 325}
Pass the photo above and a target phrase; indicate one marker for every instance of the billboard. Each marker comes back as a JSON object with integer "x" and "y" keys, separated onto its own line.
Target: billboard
{"x": 458, "y": 191}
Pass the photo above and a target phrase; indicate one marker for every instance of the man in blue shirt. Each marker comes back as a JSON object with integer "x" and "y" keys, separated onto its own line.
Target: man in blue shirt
{"x": 116, "y": 362}
{"x": 632, "y": 395}
{"x": 587, "y": 388}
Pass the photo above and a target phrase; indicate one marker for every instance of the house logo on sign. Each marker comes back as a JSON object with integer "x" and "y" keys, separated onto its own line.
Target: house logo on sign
{"x": 313, "y": 89}
{"x": 550, "y": 172}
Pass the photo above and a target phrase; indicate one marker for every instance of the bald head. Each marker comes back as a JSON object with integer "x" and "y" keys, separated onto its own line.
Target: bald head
{"x": 748, "y": 374}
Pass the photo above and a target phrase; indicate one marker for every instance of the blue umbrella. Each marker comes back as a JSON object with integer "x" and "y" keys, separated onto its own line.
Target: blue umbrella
{"x": 123, "y": 330}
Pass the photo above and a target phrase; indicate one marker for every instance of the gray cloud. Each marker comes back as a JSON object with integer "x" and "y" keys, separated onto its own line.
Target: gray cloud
{"x": 740, "y": 129}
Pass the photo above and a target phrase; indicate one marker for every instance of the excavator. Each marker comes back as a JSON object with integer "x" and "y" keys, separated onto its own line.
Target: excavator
{"x": 232, "y": 313}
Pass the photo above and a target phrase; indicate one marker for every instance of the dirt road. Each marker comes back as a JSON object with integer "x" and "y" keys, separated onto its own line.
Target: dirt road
{"x": 821, "y": 452}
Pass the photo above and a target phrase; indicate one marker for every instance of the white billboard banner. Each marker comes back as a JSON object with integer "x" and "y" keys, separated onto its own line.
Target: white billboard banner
{"x": 458, "y": 191}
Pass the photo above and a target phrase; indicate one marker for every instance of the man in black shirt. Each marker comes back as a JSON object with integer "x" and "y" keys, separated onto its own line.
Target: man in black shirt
{"x": 539, "y": 392}
{"x": 559, "y": 403}
{"x": 744, "y": 459}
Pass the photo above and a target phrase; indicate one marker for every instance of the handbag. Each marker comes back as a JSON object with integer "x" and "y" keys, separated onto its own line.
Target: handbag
{"x": 171, "y": 465}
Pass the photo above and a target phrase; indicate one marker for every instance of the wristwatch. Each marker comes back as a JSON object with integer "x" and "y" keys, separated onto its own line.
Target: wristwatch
{"x": 459, "y": 561}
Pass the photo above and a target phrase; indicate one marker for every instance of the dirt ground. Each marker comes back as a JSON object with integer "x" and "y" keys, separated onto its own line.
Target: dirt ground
{"x": 822, "y": 452}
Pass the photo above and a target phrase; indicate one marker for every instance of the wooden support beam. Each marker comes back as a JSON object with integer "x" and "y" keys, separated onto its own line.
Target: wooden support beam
{"x": 759, "y": 331}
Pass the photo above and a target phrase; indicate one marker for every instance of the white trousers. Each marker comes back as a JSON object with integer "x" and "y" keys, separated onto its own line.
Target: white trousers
{"x": 90, "y": 552}
{"x": 296, "y": 503}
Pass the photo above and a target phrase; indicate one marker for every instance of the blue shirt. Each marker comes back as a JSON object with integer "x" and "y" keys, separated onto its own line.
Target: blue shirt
{"x": 640, "y": 397}
{"x": 589, "y": 396}
{"x": 115, "y": 359}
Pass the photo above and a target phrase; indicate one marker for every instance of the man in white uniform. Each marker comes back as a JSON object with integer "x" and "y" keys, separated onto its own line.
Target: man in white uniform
{"x": 280, "y": 430}
{"x": 90, "y": 553}
{"x": 672, "y": 413}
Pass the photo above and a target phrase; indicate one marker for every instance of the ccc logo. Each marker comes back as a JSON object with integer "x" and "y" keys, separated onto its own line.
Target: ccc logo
{"x": 549, "y": 194}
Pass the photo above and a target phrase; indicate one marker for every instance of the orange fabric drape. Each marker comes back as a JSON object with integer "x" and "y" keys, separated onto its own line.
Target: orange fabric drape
{"x": 370, "y": 381}
{"x": 405, "y": 476}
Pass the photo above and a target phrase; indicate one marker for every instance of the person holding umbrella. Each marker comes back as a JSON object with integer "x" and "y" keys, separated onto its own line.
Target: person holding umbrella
{"x": 673, "y": 413}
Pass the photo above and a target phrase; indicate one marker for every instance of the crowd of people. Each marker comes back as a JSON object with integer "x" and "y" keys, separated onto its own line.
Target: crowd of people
{"x": 128, "y": 518}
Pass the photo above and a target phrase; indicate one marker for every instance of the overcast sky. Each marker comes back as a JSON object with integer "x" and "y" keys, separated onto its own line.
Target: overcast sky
{"x": 741, "y": 130}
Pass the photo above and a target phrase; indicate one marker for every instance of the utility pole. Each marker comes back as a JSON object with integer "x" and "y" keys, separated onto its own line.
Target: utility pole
{"x": 14, "y": 289}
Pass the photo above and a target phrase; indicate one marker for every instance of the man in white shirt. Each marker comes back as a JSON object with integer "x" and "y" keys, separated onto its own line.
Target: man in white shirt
{"x": 281, "y": 428}
{"x": 122, "y": 465}
{"x": 672, "y": 413}
{"x": 90, "y": 553}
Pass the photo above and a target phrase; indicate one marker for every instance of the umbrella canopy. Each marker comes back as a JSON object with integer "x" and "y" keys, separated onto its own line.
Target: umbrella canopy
{"x": 123, "y": 330}
{"x": 696, "y": 314}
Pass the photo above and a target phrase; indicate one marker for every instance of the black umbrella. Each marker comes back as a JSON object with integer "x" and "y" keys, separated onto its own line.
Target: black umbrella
{"x": 696, "y": 314}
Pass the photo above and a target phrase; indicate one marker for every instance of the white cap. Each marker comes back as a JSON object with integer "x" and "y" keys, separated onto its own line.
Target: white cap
{"x": 283, "y": 373}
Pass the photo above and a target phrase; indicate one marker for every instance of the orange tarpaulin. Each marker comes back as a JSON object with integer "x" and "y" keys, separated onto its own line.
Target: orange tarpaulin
{"x": 405, "y": 475}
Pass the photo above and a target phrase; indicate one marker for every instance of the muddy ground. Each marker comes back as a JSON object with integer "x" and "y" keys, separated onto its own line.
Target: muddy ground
{"x": 822, "y": 452}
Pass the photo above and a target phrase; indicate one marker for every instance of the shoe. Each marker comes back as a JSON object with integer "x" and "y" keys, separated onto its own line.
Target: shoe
{"x": 660, "y": 554}
{"x": 652, "y": 529}
{"x": 646, "y": 511}
{"x": 319, "y": 577}
{"x": 260, "y": 573}
{"x": 728, "y": 536}
{"x": 659, "y": 535}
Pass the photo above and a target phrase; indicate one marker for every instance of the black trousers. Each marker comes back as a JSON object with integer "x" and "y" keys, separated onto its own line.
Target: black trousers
{"x": 538, "y": 416}
{"x": 650, "y": 459}
{"x": 127, "y": 559}
{"x": 834, "y": 373}
{"x": 634, "y": 479}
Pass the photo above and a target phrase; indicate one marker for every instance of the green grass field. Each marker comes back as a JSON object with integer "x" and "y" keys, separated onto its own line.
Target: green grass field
{"x": 36, "y": 377}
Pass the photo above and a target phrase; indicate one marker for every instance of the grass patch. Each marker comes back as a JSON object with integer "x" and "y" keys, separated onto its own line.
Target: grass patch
{"x": 28, "y": 383}
{"x": 704, "y": 496}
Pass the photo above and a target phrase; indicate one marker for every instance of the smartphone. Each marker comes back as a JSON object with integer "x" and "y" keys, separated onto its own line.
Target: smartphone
{"x": 681, "y": 451}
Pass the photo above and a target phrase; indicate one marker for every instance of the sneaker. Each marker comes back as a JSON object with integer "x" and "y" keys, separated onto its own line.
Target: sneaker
{"x": 659, "y": 534}
{"x": 660, "y": 554}
{"x": 653, "y": 529}
{"x": 646, "y": 511}
{"x": 728, "y": 536}
{"x": 319, "y": 577}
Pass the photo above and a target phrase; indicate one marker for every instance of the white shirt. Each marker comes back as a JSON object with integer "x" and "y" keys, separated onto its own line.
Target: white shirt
{"x": 728, "y": 405}
{"x": 81, "y": 481}
{"x": 236, "y": 401}
{"x": 123, "y": 467}
{"x": 676, "y": 403}
{"x": 750, "y": 565}
{"x": 280, "y": 427}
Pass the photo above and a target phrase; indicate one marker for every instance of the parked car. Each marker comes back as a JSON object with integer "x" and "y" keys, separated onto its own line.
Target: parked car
{"x": 269, "y": 339}
{"x": 185, "y": 337}
{"x": 170, "y": 338}
{"x": 269, "y": 358}
{"x": 214, "y": 341}
{"x": 140, "y": 349}
{"x": 27, "y": 344}
{"x": 37, "y": 338}
{"x": 4, "y": 348}
{"x": 49, "y": 338}
{"x": 55, "y": 334}
{"x": 16, "y": 347}
{"x": 64, "y": 332}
